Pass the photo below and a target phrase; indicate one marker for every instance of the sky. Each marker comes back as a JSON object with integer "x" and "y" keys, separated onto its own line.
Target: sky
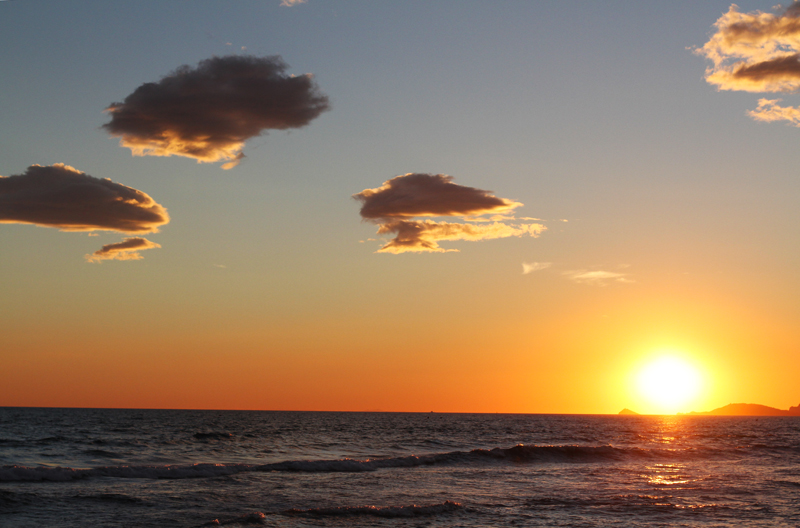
{"x": 451, "y": 206}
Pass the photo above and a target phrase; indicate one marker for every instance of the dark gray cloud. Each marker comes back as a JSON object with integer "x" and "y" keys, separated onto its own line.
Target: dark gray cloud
{"x": 394, "y": 205}
{"x": 208, "y": 112}
{"x": 419, "y": 194}
{"x": 785, "y": 69}
{"x": 793, "y": 10}
{"x": 128, "y": 249}
{"x": 63, "y": 197}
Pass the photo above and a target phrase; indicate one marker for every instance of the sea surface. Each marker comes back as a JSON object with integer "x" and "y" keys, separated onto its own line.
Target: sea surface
{"x": 131, "y": 468}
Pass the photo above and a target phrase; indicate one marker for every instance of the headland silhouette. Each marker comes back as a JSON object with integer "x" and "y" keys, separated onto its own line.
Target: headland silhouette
{"x": 749, "y": 409}
{"x": 736, "y": 409}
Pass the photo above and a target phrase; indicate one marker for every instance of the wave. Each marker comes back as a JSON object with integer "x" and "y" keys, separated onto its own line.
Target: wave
{"x": 520, "y": 454}
{"x": 386, "y": 512}
{"x": 62, "y": 474}
{"x": 101, "y": 453}
{"x": 378, "y": 511}
{"x": 51, "y": 440}
{"x": 213, "y": 436}
{"x": 248, "y": 518}
{"x": 9, "y": 442}
{"x": 111, "y": 497}
{"x": 787, "y": 483}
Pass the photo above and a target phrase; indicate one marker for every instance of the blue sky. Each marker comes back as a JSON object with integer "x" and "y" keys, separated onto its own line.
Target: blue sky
{"x": 593, "y": 113}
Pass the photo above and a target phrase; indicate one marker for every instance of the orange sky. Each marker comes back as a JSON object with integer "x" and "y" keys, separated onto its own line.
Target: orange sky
{"x": 486, "y": 208}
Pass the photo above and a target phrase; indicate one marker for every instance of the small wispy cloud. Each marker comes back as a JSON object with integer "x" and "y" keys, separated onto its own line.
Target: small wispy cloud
{"x": 530, "y": 267}
{"x": 128, "y": 249}
{"x": 290, "y": 3}
{"x": 769, "y": 110}
{"x": 597, "y": 277}
{"x": 395, "y": 205}
{"x": 424, "y": 235}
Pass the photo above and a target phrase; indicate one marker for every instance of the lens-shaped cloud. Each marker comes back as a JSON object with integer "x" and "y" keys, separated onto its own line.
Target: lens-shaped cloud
{"x": 128, "y": 249}
{"x": 208, "y": 112}
{"x": 63, "y": 197}
{"x": 417, "y": 194}
{"x": 394, "y": 205}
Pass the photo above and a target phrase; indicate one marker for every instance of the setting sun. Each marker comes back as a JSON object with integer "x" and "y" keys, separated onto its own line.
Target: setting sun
{"x": 669, "y": 384}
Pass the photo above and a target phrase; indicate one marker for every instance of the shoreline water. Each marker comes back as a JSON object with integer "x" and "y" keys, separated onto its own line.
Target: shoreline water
{"x": 107, "y": 467}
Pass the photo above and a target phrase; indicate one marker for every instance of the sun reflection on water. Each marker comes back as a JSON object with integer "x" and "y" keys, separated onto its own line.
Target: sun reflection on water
{"x": 666, "y": 475}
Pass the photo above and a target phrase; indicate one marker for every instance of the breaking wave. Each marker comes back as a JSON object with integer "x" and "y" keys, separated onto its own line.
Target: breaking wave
{"x": 520, "y": 454}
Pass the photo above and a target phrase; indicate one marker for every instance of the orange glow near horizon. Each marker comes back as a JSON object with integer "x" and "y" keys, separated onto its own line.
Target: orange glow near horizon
{"x": 669, "y": 384}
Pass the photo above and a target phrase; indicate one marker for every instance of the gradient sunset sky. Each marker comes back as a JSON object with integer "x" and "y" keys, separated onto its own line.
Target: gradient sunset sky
{"x": 477, "y": 206}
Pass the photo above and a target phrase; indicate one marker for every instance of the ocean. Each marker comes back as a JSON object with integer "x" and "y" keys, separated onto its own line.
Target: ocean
{"x": 177, "y": 468}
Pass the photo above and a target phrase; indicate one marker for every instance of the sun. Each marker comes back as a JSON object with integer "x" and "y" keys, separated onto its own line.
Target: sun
{"x": 669, "y": 383}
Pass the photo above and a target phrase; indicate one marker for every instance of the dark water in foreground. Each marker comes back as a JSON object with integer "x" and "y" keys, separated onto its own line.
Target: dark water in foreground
{"x": 96, "y": 467}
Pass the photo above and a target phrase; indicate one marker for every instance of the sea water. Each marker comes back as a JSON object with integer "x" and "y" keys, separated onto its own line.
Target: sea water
{"x": 104, "y": 467}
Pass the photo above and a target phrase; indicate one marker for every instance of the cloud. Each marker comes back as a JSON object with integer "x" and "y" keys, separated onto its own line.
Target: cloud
{"x": 63, "y": 197}
{"x": 290, "y": 3}
{"x": 128, "y": 249}
{"x": 755, "y": 52}
{"x": 395, "y": 204}
{"x": 416, "y": 194}
{"x": 769, "y": 110}
{"x": 208, "y": 112}
{"x": 421, "y": 236}
{"x": 781, "y": 74}
{"x": 530, "y": 267}
{"x": 234, "y": 162}
{"x": 597, "y": 278}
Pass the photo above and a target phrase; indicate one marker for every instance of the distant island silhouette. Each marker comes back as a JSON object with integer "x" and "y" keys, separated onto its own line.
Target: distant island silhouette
{"x": 749, "y": 409}
{"x": 737, "y": 409}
